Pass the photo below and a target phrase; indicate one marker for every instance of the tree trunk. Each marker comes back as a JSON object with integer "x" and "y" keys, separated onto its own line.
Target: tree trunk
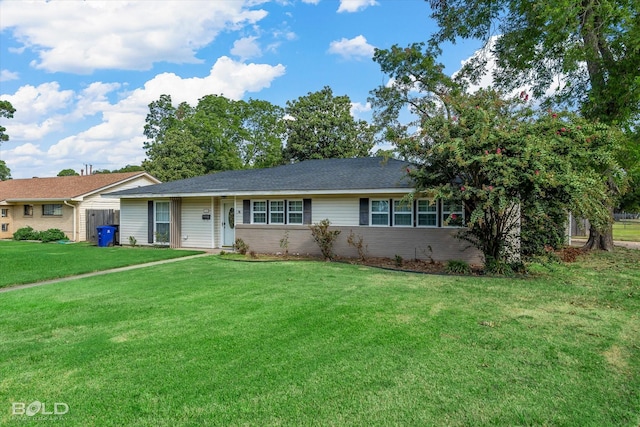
{"x": 601, "y": 241}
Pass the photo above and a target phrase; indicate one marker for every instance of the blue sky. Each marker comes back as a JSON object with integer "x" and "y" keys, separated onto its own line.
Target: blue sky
{"x": 82, "y": 73}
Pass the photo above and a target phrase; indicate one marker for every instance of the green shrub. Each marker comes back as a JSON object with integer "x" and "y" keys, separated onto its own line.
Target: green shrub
{"x": 26, "y": 233}
{"x": 52, "y": 235}
{"x": 324, "y": 238}
{"x": 458, "y": 267}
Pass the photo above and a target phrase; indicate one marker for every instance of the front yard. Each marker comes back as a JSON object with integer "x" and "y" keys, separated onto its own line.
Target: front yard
{"x": 26, "y": 262}
{"x": 209, "y": 341}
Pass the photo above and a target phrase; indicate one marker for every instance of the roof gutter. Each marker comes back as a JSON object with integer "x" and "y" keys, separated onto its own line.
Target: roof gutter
{"x": 74, "y": 219}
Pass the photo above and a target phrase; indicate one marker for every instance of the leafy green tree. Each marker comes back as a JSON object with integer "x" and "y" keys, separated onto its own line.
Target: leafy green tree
{"x": 5, "y": 172}
{"x": 68, "y": 172}
{"x": 263, "y": 132}
{"x": 229, "y": 134}
{"x": 320, "y": 126}
{"x": 592, "y": 44}
{"x": 177, "y": 157}
{"x": 6, "y": 110}
{"x": 217, "y": 126}
{"x": 129, "y": 168}
{"x": 495, "y": 155}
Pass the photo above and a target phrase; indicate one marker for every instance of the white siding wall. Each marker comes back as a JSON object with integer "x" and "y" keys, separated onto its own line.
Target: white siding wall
{"x": 341, "y": 211}
{"x": 197, "y": 232}
{"x": 133, "y": 221}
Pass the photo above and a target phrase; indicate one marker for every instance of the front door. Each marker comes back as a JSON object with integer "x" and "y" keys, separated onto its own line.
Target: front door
{"x": 228, "y": 224}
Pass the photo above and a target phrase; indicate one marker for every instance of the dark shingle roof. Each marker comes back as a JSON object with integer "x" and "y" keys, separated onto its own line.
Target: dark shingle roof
{"x": 326, "y": 175}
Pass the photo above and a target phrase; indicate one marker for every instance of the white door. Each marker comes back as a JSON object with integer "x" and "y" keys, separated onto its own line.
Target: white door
{"x": 228, "y": 224}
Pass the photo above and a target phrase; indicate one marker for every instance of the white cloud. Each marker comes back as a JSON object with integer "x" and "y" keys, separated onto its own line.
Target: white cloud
{"x": 357, "y": 108}
{"x": 80, "y": 37}
{"x": 246, "y": 48}
{"x": 118, "y": 139}
{"x": 311, "y": 1}
{"x": 355, "y": 48}
{"x": 355, "y": 5}
{"x": 6, "y": 75}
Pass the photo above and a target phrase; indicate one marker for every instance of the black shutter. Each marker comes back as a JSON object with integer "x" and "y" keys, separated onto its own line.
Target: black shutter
{"x": 391, "y": 212}
{"x": 286, "y": 210}
{"x": 415, "y": 213}
{"x": 246, "y": 211}
{"x": 150, "y": 221}
{"x": 306, "y": 211}
{"x": 364, "y": 211}
{"x": 268, "y": 212}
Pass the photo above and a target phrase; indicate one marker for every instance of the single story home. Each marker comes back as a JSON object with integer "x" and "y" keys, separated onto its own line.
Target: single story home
{"x": 61, "y": 202}
{"x": 364, "y": 196}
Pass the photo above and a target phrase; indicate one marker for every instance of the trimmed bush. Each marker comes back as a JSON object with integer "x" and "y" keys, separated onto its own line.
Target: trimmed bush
{"x": 26, "y": 233}
{"x": 52, "y": 234}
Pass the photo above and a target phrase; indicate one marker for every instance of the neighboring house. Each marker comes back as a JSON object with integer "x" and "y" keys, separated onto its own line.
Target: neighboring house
{"x": 61, "y": 202}
{"x": 366, "y": 196}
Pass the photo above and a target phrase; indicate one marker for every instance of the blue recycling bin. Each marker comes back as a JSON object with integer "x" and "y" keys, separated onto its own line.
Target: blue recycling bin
{"x": 106, "y": 234}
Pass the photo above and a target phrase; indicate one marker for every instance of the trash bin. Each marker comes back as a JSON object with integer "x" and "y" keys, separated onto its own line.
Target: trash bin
{"x": 106, "y": 233}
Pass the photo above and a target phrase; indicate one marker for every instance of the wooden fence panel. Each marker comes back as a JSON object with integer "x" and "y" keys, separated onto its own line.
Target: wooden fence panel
{"x": 98, "y": 217}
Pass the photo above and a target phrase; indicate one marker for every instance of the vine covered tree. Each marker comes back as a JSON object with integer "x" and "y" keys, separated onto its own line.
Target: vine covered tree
{"x": 320, "y": 126}
{"x": 493, "y": 154}
{"x": 593, "y": 44}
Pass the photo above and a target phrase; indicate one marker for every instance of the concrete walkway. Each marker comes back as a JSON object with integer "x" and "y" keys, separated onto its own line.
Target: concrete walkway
{"x": 100, "y": 273}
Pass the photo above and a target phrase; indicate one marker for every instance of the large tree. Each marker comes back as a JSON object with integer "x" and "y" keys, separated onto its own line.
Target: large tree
{"x": 590, "y": 47}
{"x": 6, "y": 110}
{"x": 492, "y": 153}
{"x": 177, "y": 157}
{"x": 320, "y": 126}
{"x": 226, "y": 135}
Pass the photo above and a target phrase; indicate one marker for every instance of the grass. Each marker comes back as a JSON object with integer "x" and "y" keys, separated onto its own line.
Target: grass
{"x": 214, "y": 342}
{"x": 628, "y": 230}
{"x": 27, "y": 262}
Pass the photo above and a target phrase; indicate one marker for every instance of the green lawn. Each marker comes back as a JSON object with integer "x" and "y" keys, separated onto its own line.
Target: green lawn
{"x": 208, "y": 341}
{"x": 26, "y": 262}
{"x": 628, "y": 230}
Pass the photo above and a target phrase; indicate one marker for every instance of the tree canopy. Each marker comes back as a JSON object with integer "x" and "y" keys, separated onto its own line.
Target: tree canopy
{"x": 590, "y": 47}
{"x": 6, "y": 110}
{"x": 493, "y": 153}
{"x": 68, "y": 172}
{"x": 218, "y": 134}
{"x": 320, "y": 125}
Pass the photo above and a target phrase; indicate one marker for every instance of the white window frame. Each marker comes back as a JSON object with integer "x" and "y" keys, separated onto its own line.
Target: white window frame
{"x": 55, "y": 209}
{"x": 273, "y": 211}
{"x": 156, "y": 211}
{"x": 445, "y": 213}
{"x": 402, "y": 205}
{"x": 254, "y": 211}
{"x": 27, "y": 210}
{"x": 428, "y": 213}
{"x": 373, "y": 213}
{"x": 296, "y": 212}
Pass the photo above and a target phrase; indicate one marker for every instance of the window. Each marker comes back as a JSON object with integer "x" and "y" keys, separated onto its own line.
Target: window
{"x": 5, "y": 213}
{"x": 402, "y": 213}
{"x": 294, "y": 212}
{"x": 452, "y": 214}
{"x": 379, "y": 212}
{"x": 427, "y": 213}
{"x": 28, "y": 210}
{"x": 276, "y": 212}
{"x": 52, "y": 210}
{"x": 162, "y": 222}
{"x": 259, "y": 212}
{"x": 5, "y": 227}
